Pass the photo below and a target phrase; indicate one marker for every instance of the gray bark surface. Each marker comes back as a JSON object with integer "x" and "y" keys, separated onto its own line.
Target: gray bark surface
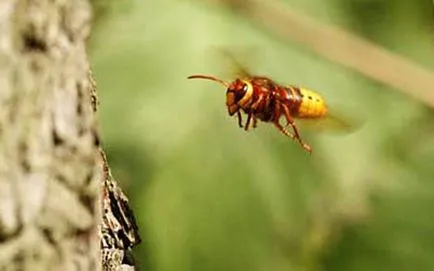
{"x": 50, "y": 166}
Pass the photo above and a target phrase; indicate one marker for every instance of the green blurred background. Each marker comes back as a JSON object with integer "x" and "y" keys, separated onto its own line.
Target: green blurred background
{"x": 209, "y": 196}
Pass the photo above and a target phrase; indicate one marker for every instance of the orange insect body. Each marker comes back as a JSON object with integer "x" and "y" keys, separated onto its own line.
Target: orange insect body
{"x": 261, "y": 98}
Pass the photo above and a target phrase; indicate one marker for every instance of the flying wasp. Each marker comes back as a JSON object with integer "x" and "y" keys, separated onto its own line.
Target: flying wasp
{"x": 260, "y": 97}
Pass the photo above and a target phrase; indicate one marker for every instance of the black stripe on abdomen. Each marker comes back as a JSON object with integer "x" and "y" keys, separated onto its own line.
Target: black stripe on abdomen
{"x": 294, "y": 98}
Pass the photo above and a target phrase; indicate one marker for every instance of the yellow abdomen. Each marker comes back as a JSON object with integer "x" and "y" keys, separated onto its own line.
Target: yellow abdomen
{"x": 312, "y": 105}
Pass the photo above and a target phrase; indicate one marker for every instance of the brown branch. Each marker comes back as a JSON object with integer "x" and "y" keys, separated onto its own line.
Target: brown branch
{"x": 340, "y": 46}
{"x": 118, "y": 230}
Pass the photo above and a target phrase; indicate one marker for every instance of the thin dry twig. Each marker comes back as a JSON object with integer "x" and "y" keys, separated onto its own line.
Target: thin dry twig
{"x": 340, "y": 46}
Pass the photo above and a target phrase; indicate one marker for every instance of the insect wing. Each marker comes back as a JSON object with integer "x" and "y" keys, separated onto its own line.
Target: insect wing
{"x": 332, "y": 123}
{"x": 234, "y": 61}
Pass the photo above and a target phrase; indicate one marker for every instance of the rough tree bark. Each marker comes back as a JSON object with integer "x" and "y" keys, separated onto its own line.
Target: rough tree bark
{"x": 51, "y": 166}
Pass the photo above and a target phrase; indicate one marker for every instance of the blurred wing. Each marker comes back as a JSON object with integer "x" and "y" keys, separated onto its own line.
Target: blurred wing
{"x": 235, "y": 60}
{"x": 332, "y": 123}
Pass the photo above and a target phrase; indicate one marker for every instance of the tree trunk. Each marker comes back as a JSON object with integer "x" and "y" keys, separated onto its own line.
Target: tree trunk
{"x": 51, "y": 171}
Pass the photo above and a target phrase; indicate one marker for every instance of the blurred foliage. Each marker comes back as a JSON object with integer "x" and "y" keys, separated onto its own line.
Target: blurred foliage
{"x": 209, "y": 196}
{"x": 104, "y": 9}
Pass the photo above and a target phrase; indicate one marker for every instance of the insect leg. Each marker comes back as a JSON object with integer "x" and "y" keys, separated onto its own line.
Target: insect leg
{"x": 283, "y": 130}
{"x": 294, "y": 128}
{"x": 254, "y": 107}
{"x": 240, "y": 119}
{"x": 255, "y": 121}
{"x": 249, "y": 117}
{"x": 276, "y": 123}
